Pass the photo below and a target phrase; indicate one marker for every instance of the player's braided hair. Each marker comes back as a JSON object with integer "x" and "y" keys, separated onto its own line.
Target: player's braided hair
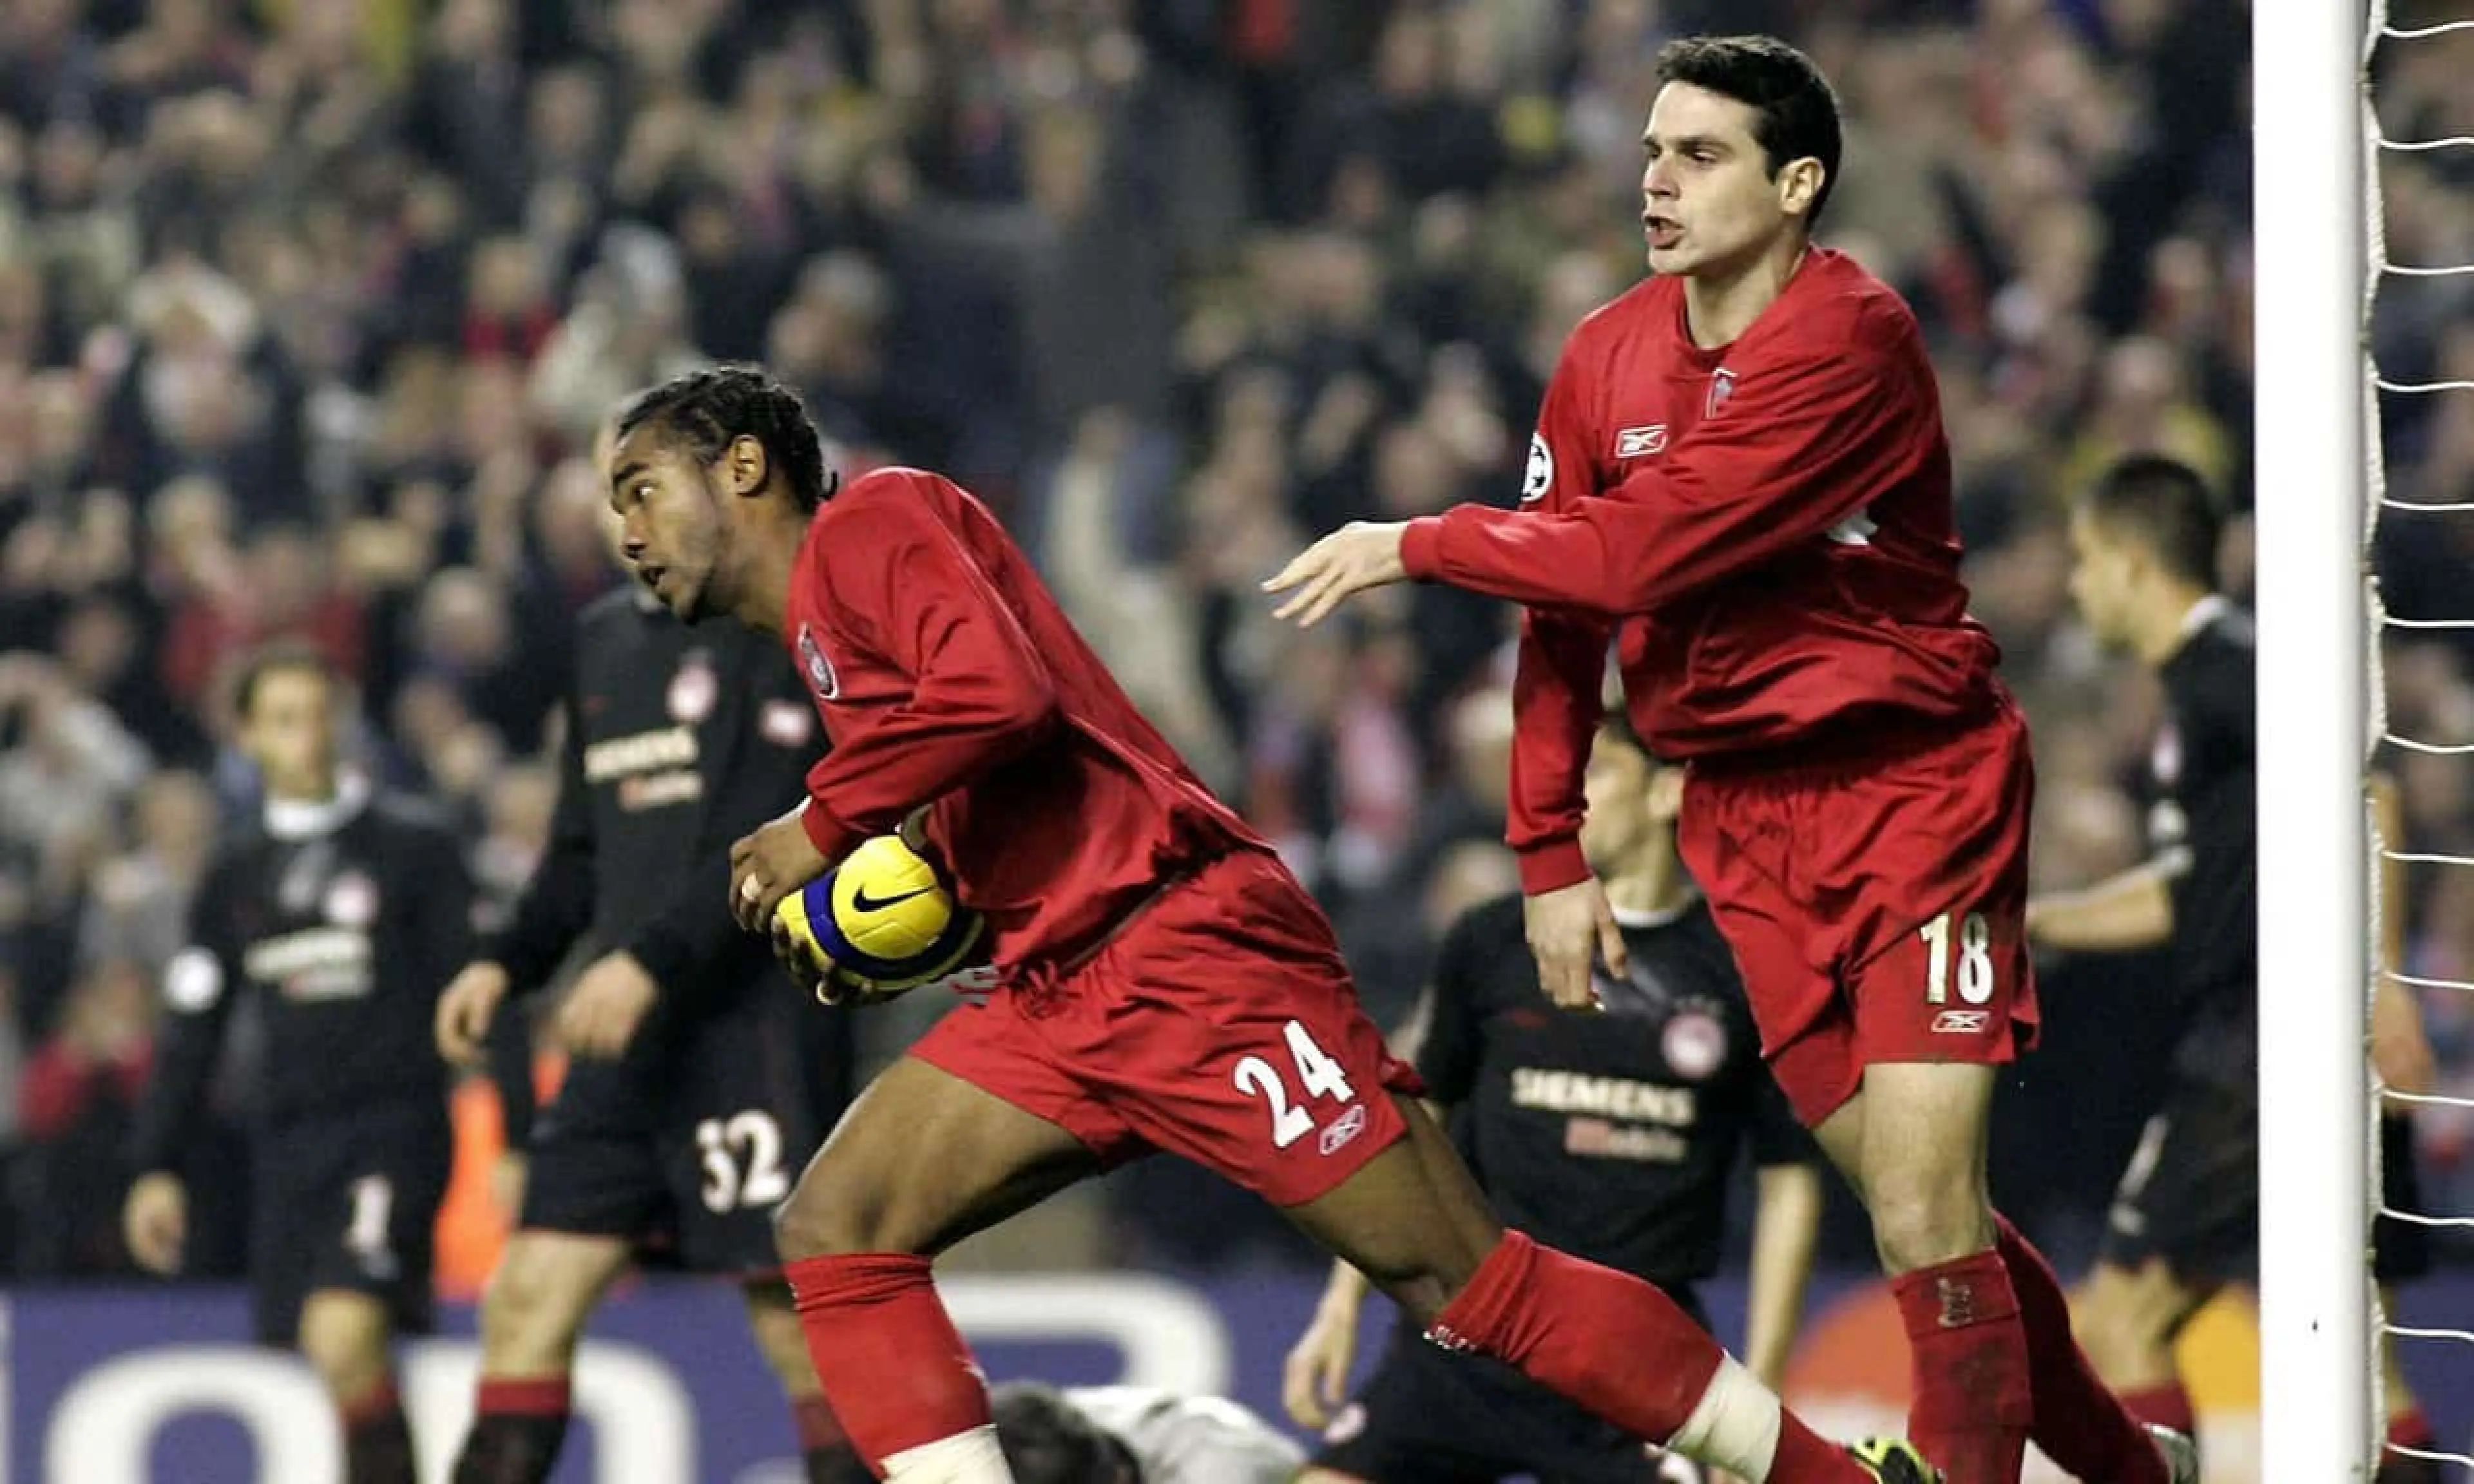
{"x": 707, "y": 409}
{"x": 2165, "y": 506}
{"x": 1795, "y": 112}
{"x": 1048, "y": 1441}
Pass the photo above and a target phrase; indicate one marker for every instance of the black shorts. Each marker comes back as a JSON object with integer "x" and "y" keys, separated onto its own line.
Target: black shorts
{"x": 349, "y": 1202}
{"x": 686, "y": 1145}
{"x": 1430, "y": 1415}
{"x": 2190, "y": 1194}
{"x": 2400, "y": 1250}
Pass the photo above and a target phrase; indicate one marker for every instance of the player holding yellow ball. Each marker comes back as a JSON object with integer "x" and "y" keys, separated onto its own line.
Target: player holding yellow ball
{"x": 880, "y": 923}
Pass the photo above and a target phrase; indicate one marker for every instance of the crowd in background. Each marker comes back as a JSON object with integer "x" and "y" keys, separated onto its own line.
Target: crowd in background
{"x": 309, "y": 309}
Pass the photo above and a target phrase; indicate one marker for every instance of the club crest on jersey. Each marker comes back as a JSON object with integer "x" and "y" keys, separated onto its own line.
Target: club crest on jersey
{"x": 693, "y": 689}
{"x": 352, "y": 901}
{"x": 1539, "y": 477}
{"x": 1722, "y": 388}
{"x": 1695, "y": 1045}
{"x": 1640, "y": 443}
{"x": 818, "y": 670}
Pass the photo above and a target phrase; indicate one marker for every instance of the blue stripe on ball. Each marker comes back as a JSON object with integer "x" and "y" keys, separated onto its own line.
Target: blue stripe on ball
{"x": 960, "y": 933}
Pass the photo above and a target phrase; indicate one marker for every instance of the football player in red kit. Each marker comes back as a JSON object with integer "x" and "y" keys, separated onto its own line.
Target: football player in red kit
{"x": 1739, "y": 477}
{"x": 1161, "y": 981}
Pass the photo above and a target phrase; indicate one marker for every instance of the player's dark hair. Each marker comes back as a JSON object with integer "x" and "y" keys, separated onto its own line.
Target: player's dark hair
{"x": 276, "y": 657}
{"x": 1047, "y": 1440}
{"x": 1795, "y": 111}
{"x": 707, "y": 409}
{"x": 2167, "y": 508}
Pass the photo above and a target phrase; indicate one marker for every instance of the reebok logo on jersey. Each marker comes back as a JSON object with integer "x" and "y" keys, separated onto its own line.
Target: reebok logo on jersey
{"x": 860, "y": 900}
{"x": 1960, "y": 1023}
{"x": 1640, "y": 443}
{"x": 1337, "y": 1134}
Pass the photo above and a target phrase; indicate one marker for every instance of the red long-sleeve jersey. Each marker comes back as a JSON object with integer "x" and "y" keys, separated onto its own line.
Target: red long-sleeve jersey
{"x": 1765, "y": 530}
{"x": 947, "y": 676}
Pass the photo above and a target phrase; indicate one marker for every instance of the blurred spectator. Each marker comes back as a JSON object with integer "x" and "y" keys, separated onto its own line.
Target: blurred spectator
{"x": 75, "y": 1108}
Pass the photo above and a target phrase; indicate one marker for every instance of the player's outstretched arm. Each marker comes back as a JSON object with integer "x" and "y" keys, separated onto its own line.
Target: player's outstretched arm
{"x": 2122, "y": 912}
{"x": 1787, "y": 1227}
{"x": 1798, "y": 452}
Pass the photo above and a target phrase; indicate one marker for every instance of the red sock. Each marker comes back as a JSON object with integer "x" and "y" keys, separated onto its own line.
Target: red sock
{"x": 378, "y": 1444}
{"x": 1973, "y": 1409}
{"x": 1612, "y": 1344}
{"x": 518, "y": 1427}
{"x": 895, "y": 1370}
{"x": 2409, "y": 1428}
{"x": 2079, "y": 1423}
{"x": 546, "y": 1397}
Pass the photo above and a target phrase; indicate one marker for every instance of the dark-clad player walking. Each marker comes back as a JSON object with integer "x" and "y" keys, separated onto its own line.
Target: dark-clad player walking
{"x": 1162, "y": 981}
{"x": 2185, "y": 1219}
{"x": 342, "y": 913}
{"x": 1611, "y": 1136}
{"x": 1739, "y": 477}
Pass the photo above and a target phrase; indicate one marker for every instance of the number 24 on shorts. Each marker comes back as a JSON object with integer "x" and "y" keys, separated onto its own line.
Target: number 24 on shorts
{"x": 1973, "y": 953}
{"x": 1316, "y": 1073}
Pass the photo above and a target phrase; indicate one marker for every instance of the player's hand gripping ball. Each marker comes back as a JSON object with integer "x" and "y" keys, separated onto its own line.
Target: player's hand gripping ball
{"x": 878, "y": 924}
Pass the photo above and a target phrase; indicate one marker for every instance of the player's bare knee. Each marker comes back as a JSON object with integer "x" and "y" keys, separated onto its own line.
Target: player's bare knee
{"x": 534, "y": 1308}
{"x": 1916, "y": 1224}
{"x": 825, "y": 1218}
{"x": 344, "y": 1339}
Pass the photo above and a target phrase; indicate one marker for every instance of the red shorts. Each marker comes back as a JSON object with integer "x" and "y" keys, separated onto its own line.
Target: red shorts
{"x": 1876, "y": 903}
{"x": 1219, "y": 1023}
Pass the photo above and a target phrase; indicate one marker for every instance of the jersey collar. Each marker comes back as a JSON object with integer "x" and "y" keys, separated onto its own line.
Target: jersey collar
{"x": 1637, "y": 918}
{"x": 2207, "y": 611}
{"x": 293, "y": 819}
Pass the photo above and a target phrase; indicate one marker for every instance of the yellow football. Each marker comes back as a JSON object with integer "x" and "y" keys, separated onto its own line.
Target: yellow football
{"x": 881, "y": 922}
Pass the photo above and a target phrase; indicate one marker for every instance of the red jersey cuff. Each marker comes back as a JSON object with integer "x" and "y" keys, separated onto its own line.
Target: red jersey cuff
{"x": 827, "y": 834}
{"x": 1551, "y": 865}
{"x": 1420, "y": 557}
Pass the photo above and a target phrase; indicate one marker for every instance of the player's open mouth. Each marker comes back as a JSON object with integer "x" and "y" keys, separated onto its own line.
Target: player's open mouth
{"x": 1662, "y": 231}
{"x": 651, "y": 577}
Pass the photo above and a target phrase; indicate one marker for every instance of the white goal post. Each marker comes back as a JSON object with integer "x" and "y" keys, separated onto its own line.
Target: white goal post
{"x": 2309, "y": 227}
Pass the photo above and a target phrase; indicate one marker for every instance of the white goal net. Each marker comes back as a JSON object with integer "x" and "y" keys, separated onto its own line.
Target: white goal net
{"x": 2364, "y": 326}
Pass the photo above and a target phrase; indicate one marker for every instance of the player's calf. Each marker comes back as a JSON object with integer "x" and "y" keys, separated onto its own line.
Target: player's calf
{"x": 857, "y": 1238}
{"x": 539, "y": 1298}
{"x": 545, "y": 1285}
{"x": 344, "y": 1336}
{"x": 1918, "y": 1131}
